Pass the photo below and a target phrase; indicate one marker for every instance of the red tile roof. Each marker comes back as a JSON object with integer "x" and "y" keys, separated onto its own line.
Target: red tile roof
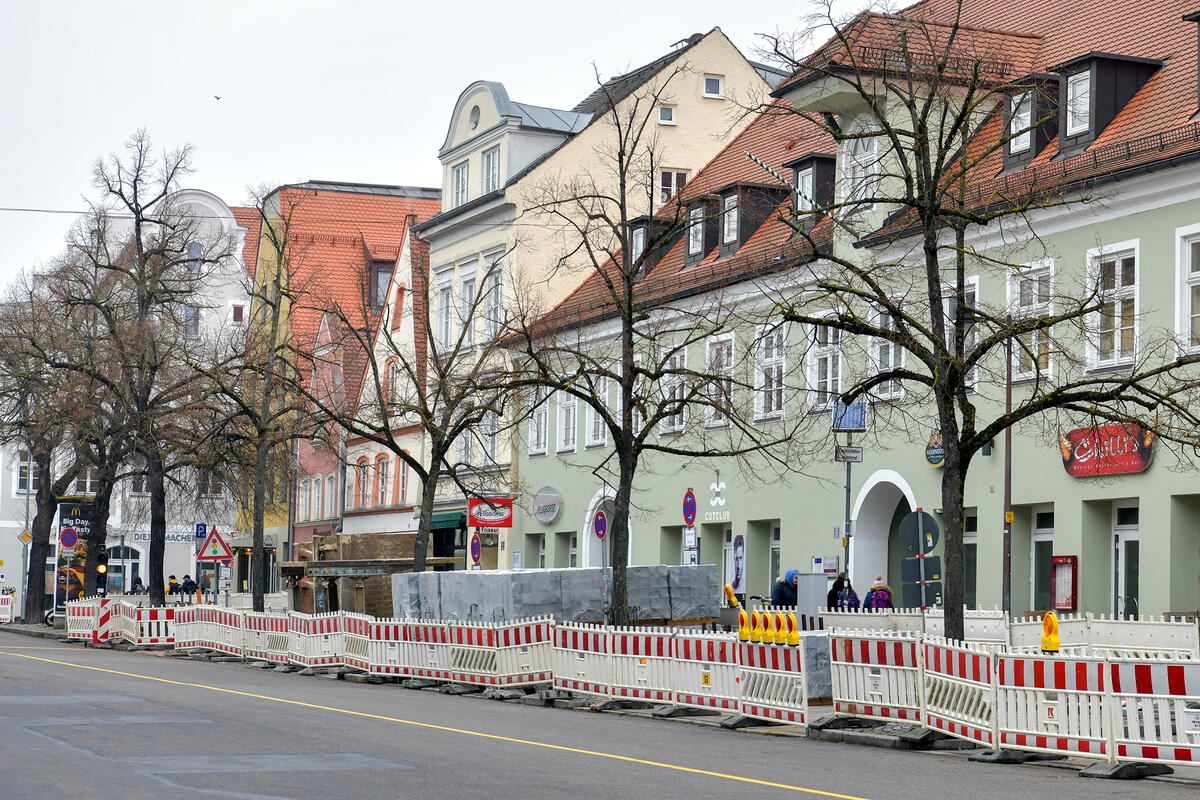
{"x": 775, "y": 137}
{"x": 251, "y": 220}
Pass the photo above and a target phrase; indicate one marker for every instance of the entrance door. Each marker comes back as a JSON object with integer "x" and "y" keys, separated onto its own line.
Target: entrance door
{"x": 1126, "y": 559}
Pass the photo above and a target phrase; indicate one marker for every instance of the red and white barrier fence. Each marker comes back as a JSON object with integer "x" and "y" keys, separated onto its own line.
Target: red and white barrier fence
{"x": 875, "y": 675}
{"x": 772, "y": 683}
{"x": 705, "y": 670}
{"x": 317, "y": 640}
{"x": 6, "y": 608}
{"x": 265, "y": 636}
{"x": 958, "y": 694}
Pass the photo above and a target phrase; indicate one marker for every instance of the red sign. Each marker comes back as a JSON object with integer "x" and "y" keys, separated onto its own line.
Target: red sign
{"x": 1106, "y": 450}
{"x": 214, "y": 548}
{"x": 489, "y": 513}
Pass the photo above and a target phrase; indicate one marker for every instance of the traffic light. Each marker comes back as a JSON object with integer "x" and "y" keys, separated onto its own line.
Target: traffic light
{"x": 101, "y": 572}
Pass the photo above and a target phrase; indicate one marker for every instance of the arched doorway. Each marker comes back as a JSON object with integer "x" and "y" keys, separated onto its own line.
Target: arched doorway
{"x": 593, "y": 552}
{"x": 884, "y": 499}
{"x": 124, "y": 568}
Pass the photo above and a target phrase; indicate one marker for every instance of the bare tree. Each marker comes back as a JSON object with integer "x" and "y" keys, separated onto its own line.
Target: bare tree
{"x": 921, "y": 120}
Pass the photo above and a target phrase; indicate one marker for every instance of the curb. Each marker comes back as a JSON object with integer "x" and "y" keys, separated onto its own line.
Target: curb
{"x": 46, "y": 633}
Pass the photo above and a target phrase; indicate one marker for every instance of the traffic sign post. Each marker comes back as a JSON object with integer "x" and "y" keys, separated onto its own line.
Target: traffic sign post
{"x": 214, "y": 549}
{"x": 67, "y": 538}
{"x": 848, "y": 418}
{"x": 476, "y": 550}
{"x": 919, "y": 535}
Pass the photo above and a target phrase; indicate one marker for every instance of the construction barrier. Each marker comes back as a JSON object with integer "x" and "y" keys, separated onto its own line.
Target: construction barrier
{"x": 357, "y": 632}
{"x": 428, "y": 648}
{"x": 772, "y": 683}
{"x": 875, "y": 675}
{"x": 265, "y": 636}
{"x": 1052, "y": 705}
{"x": 958, "y": 693}
{"x": 705, "y": 670}
{"x": 387, "y": 649}
{"x": 640, "y": 663}
{"x": 83, "y": 617}
{"x": 1155, "y": 711}
{"x": 6, "y": 608}
{"x": 581, "y": 658}
{"x": 316, "y": 640}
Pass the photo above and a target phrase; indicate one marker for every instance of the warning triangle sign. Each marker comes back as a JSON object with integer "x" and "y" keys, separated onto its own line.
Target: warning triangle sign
{"x": 214, "y": 548}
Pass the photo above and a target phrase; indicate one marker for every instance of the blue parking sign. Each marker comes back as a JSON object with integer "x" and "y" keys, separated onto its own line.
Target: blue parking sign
{"x": 201, "y": 530}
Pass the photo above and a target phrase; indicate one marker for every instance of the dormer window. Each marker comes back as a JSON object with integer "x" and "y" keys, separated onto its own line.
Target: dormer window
{"x": 812, "y": 175}
{"x": 637, "y": 245}
{"x": 804, "y": 190}
{"x": 1079, "y": 102}
{"x": 1020, "y": 118}
{"x": 729, "y": 219}
{"x": 695, "y": 231}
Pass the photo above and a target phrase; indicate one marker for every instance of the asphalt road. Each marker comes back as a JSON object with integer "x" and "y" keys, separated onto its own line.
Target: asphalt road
{"x": 78, "y": 722}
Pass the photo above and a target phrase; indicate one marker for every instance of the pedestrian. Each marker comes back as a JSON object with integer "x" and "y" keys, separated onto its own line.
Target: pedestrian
{"x": 172, "y": 585}
{"x": 784, "y": 593}
{"x": 138, "y": 587}
{"x": 831, "y": 599}
{"x": 847, "y": 599}
{"x": 879, "y": 596}
{"x": 188, "y": 587}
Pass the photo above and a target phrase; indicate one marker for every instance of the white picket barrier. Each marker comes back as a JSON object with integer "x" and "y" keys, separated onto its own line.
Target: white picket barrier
{"x": 83, "y": 618}
{"x": 1155, "y": 711}
{"x": 958, "y": 689}
{"x": 266, "y": 636}
{"x": 875, "y": 675}
{"x": 704, "y": 672}
{"x": 640, "y": 663}
{"x": 6, "y": 608}
{"x": 189, "y": 629}
{"x": 316, "y": 640}
{"x": 1053, "y": 705}
{"x": 771, "y": 682}
{"x": 356, "y": 630}
{"x": 581, "y": 658}
{"x": 387, "y": 650}
{"x": 427, "y": 646}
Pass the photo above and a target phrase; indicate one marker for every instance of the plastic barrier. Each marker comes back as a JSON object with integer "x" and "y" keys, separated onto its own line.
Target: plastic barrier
{"x": 428, "y": 649}
{"x": 316, "y": 640}
{"x": 1052, "y": 705}
{"x": 705, "y": 670}
{"x": 524, "y": 652}
{"x": 83, "y": 618}
{"x": 875, "y": 675}
{"x": 1156, "y": 711}
{"x": 581, "y": 658}
{"x": 771, "y": 682}
{"x": 266, "y": 636}
{"x": 959, "y": 690}
{"x": 387, "y": 649}
{"x": 640, "y": 663}
{"x": 6, "y": 608}
{"x": 357, "y": 633}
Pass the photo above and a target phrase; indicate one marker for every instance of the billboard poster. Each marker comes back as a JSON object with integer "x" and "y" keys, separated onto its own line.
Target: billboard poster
{"x": 1106, "y": 450}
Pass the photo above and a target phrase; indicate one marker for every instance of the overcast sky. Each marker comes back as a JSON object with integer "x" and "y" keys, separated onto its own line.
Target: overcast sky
{"x": 357, "y": 90}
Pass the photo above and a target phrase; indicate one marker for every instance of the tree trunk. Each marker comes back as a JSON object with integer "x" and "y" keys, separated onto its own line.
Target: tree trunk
{"x": 156, "y": 483}
{"x": 39, "y": 546}
{"x": 620, "y": 614}
{"x": 257, "y": 556}
{"x": 98, "y": 538}
{"x": 953, "y": 475}
{"x": 424, "y": 529}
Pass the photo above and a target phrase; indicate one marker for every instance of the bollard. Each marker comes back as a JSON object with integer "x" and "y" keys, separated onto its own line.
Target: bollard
{"x": 1050, "y": 640}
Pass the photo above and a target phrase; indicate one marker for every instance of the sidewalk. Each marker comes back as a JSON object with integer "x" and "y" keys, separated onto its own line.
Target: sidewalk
{"x": 34, "y": 629}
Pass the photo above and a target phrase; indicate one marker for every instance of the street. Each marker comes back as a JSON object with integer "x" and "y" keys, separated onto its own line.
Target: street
{"x": 95, "y": 722}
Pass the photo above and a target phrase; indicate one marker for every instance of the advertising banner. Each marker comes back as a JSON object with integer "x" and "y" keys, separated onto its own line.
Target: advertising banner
{"x": 489, "y": 512}
{"x": 1106, "y": 450}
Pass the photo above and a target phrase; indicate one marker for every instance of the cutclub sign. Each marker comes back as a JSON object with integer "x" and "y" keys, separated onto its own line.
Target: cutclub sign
{"x": 1106, "y": 450}
{"x": 489, "y": 512}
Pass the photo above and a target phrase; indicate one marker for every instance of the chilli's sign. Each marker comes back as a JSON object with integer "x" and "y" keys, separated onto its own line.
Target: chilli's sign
{"x": 1106, "y": 450}
{"x": 489, "y": 512}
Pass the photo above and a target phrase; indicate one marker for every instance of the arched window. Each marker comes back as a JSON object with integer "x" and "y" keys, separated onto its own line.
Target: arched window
{"x": 381, "y": 476}
{"x": 364, "y": 482}
{"x": 317, "y": 511}
{"x": 302, "y": 501}
{"x": 860, "y": 163}
{"x": 392, "y": 387}
{"x": 330, "y": 495}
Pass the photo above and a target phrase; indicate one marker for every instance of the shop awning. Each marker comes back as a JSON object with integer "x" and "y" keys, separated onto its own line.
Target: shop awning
{"x": 453, "y": 519}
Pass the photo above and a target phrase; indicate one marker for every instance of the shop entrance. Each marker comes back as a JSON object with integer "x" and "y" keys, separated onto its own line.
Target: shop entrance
{"x": 1126, "y": 558}
{"x": 884, "y": 498}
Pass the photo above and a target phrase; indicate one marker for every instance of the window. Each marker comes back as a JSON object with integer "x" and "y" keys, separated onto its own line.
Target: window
{"x": 491, "y": 435}
{"x": 330, "y": 489}
{"x": 1020, "y": 117}
{"x": 1079, "y": 102}
{"x": 301, "y": 500}
{"x": 671, "y": 183}
{"x": 317, "y": 498}
{"x": 445, "y": 309}
{"x": 491, "y": 170}
{"x": 1029, "y": 294}
{"x": 210, "y": 484}
{"x": 768, "y": 371}
{"x": 695, "y": 233}
{"x": 538, "y": 418}
{"x": 666, "y": 115}
{"x": 403, "y": 496}
{"x": 194, "y": 257}
{"x": 597, "y": 431}
{"x": 1115, "y": 324}
{"x": 1041, "y": 550}
{"x": 573, "y": 553}
{"x": 542, "y": 551}
{"x": 720, "y": 371}
{"x": 858, "y": 172}
{"x": 637, "y": 244}
{"x": 493, "y": 309}
{"x": 381, "y": 476}
{"x": 970, "y": 332}
{"x": 729, "y": 219}
{"x": 379, "y": 287}
{"x": 466, "y": 308}
{"x": 886, "y": 356}
{"x": 191, "y": 321}
{"x": 364, "y": 476}
{"x": 567, "y": 404}
{"x": 88, "y": 481}
{"x": 674, "y": 393}
{"x": 1188, "y": 271}
{"x": 714, "y": 86}
{"x": 825, "y": 367}
{"x": 137, "y": 481}
{"x": 970, "y": 557}
{"x": 239, "y": 314}
{"x": 466, "y": 447}
{"x": 393, "y": 381}
{"x": 459, "y": 177}
{"x": 636, "y": 419}
{"x": 804, "y": 190}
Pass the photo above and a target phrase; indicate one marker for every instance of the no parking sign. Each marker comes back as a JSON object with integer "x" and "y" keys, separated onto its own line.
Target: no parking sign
{"x": 601, "y": 525}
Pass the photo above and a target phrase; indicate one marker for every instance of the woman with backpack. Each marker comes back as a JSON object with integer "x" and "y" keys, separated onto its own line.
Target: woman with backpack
{"x": 879, "y": 596}
{"x": 848, "y": 599}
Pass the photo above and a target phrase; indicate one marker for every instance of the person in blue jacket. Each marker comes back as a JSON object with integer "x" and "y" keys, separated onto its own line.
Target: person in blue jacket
{"x": 783, "y": 595}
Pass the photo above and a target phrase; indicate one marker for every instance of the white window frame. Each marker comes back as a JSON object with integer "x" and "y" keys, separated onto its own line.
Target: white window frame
{"x": 319, "y": 496}
{"x": 331, "y": 495}
{"x": 804, "y": 190}
{"x": 233, "y": 313}
{"x": 637, "y": 244}
{"x": 714, "y": 417}
{"x": 666, "y": 114}
{"x": 301, "y": 501}
{"x": 720, "y": 79}
{"x": 674, "y": 390}
{"x": 207, "y": 481}
{"x": 1078, "y": 120}
{"x": 490, "y": 435}
{"x": 539, "y": 419}
{"x": 695, "y": 232}
{"x": 466, "y": 309}
{"x": 770, "y": 369}
{"x": 135, "y": 480}
{"x": 445, "y": 307}
{"x": 671, "y": 187}
{"x": 87, "y": 481}
{"x": 491, "y": 169}
{"x": 729, "y": 219}
{"x": 596, "y": 434}
{"x": 460, "y": 176}
{"x": 1020, "y": 120}
{"x": 191, "y": 321}
{"x": 860, "y": 165}
{"x": 567, "y": 440}
{"x": 381, "y": 481}
{"x": 493, "y": 302}
{"x": 1117, "y": 251}
{"x": 1185, "y": 281}
{"x": 970, "y": 288}
{"x": 1032, "y": 273}
{"x": 636, "y": 421}
{"x": 364, "y": 482}
{"x": 820, "y": 398}
{"x": 1037, "y": 534}
{"x": 882, "y": 350}
{"x": 403, "y": 467}
{"x": 466, "y": 446}
{"x": 392, "y": 376}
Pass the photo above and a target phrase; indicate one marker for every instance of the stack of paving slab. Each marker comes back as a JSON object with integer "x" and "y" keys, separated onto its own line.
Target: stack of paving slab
{"x": 567, "y": 595}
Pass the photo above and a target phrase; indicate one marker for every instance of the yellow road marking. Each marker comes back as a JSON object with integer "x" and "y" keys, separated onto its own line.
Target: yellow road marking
{"x": 447, "y": 729}
{"x": 29, "y": 647}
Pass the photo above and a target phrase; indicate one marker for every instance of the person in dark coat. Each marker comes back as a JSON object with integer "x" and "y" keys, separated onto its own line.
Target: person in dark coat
{"x": 783, "y": 595}
{"x": 839, "y": 583}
